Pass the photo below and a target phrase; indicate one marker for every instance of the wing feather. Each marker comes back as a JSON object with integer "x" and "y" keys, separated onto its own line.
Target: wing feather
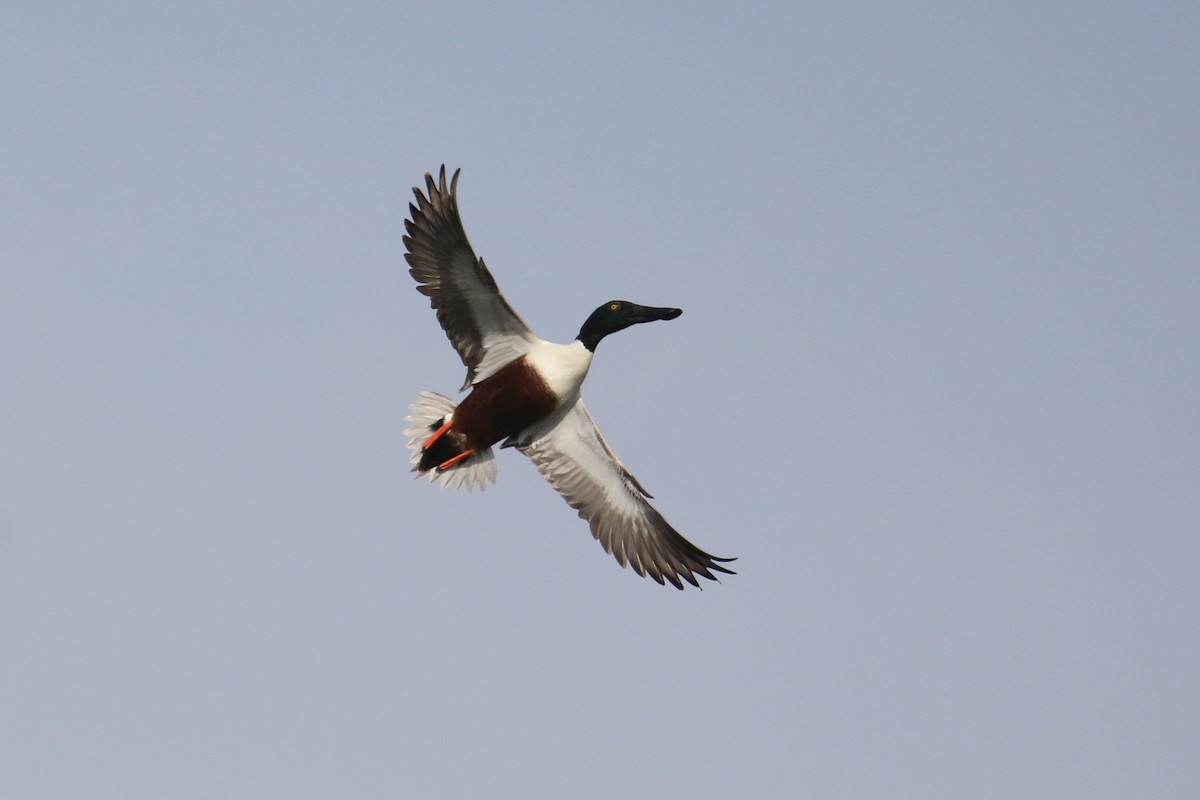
{"x": 574, "y": 457}
{"x": 475, "y": 316}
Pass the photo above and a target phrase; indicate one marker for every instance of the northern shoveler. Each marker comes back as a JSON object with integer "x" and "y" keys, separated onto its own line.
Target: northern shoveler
{"x": 525, "y": 391}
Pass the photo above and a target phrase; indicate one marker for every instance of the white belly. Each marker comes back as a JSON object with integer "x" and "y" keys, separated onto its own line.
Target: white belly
{"x": 562, "y": 366}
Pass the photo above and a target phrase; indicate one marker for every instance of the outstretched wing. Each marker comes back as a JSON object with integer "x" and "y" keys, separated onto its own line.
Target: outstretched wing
{"x": 580, "y": 465}
{"x": 480, "y": 323}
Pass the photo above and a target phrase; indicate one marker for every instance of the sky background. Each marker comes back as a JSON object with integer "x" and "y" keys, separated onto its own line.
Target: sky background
{"x": 935, "y": 385}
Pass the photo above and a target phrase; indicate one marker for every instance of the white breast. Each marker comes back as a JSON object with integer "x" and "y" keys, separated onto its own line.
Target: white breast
{"x": 562, "y": 366}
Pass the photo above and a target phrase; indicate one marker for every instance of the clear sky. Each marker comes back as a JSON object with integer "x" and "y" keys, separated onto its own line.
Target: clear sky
{"x": 935, "y": 384}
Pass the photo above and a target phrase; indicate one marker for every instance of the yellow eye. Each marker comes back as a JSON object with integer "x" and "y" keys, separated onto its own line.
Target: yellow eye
{"x": 613, "y": 306}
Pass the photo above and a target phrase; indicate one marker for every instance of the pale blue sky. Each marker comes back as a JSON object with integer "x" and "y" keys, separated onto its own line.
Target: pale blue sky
{"x": 936, "y": 386}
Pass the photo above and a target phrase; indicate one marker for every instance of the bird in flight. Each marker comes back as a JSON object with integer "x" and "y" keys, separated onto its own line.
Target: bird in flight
{"x": 525, "y": 394}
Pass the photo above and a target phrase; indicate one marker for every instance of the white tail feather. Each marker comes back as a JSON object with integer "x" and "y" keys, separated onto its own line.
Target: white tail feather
{"x": 428, "y": 411}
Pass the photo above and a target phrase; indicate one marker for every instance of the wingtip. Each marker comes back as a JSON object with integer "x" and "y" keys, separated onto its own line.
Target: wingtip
{"x": 439, "y": 184}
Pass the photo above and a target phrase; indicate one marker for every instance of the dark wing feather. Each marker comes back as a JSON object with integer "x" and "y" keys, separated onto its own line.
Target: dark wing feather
{"x": 580, "y": 465}
{"x": 469, "y": 306}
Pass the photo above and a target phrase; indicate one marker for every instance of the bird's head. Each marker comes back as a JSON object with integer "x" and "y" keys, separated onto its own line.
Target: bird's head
{"x": 617, "y": 315}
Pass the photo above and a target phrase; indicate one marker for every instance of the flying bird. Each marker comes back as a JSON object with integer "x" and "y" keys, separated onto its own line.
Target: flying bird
{"x": 525, "y": 393}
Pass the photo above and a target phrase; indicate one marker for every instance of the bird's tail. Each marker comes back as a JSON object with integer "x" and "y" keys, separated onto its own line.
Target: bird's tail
{"x": 430, "y": 411}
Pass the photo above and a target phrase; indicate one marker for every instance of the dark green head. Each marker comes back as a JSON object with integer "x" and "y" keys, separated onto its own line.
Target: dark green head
{"x": 617, "y": 315}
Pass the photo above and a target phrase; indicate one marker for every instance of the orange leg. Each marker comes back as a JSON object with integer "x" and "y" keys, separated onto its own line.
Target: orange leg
{"x": 450, "y": 462}
{"x": 436, "y": 435}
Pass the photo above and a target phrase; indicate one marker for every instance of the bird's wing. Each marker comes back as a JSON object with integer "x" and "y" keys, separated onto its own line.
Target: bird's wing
{"x": 480, "y": 323}
{"x": 573, "y": 456}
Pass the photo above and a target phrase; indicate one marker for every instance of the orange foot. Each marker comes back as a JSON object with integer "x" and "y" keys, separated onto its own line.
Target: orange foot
{"x": 450, "y": 462}
{"x": 436, "y": 435}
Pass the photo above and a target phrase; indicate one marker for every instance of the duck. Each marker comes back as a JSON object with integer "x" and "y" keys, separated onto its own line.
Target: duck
{"x": 525, "y": 394}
